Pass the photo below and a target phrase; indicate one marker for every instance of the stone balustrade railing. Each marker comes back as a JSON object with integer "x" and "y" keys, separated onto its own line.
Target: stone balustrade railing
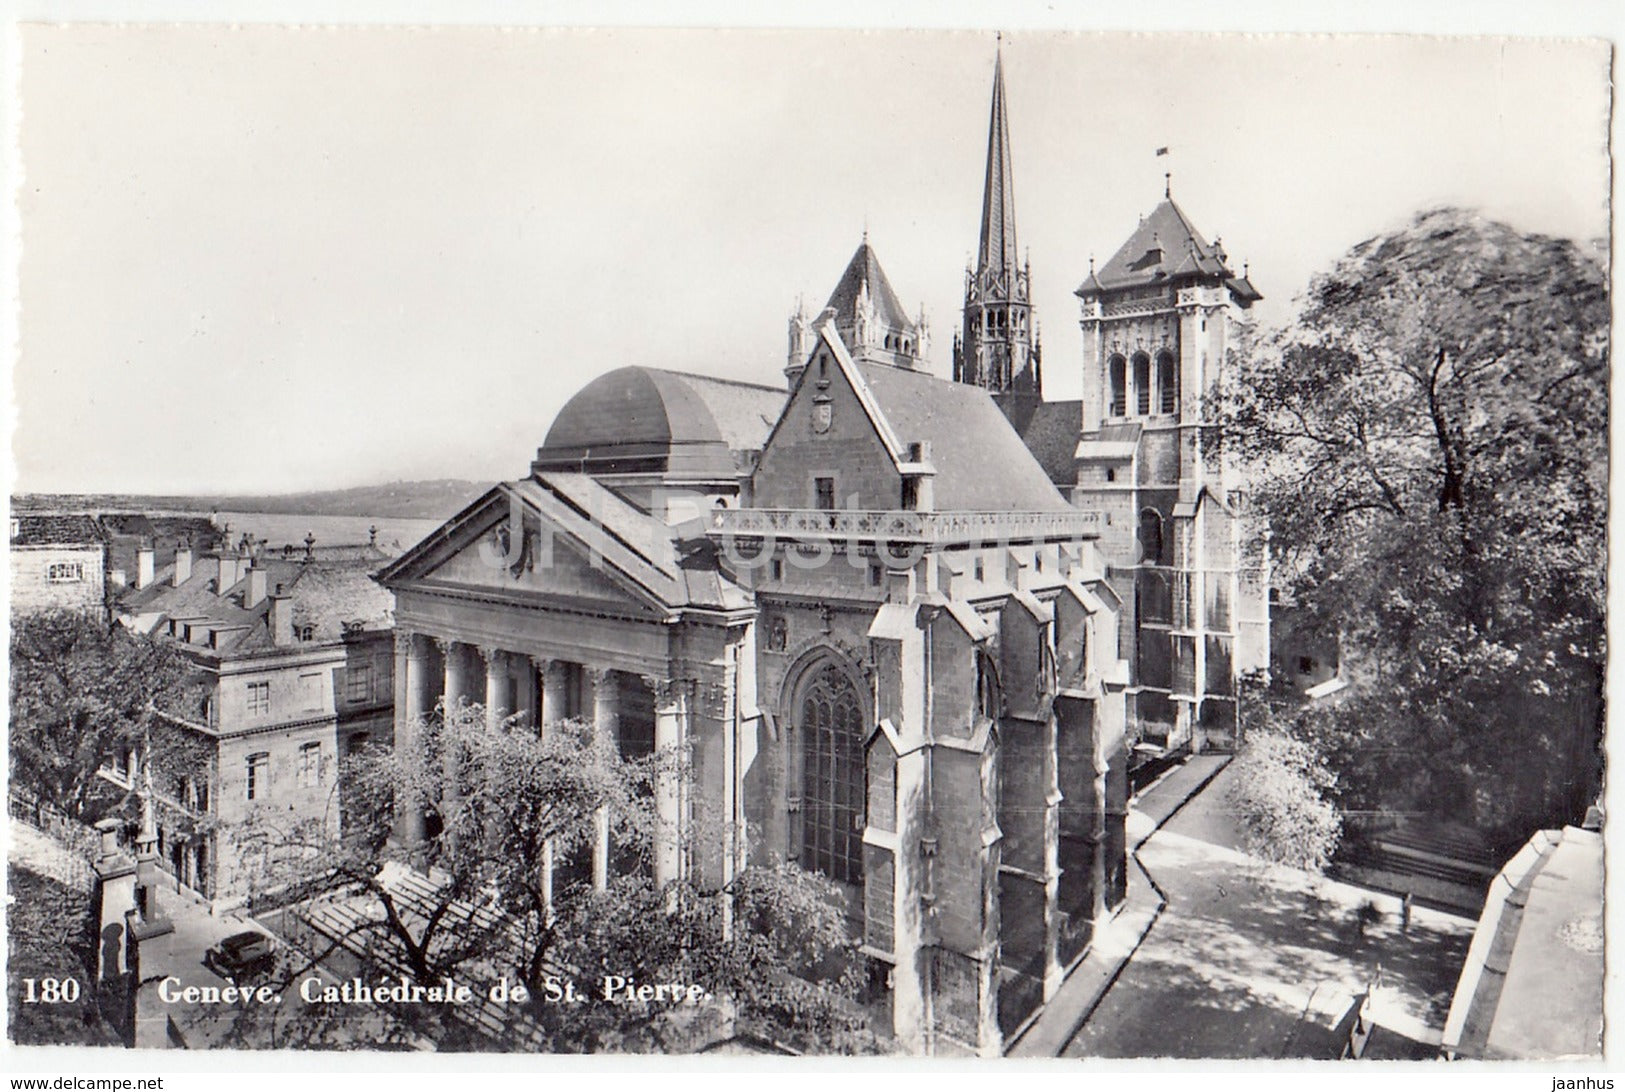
{"x": 930, "y": 528}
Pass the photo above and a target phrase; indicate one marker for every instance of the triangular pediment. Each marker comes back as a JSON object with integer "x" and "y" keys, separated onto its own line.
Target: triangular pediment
{"x": 550, "y": 562}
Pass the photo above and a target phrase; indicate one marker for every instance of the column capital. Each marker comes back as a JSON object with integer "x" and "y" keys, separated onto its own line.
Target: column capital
{"x": 598, "y": 675}
{"x": 665, "y": 690}
{"x": 492, "y": 655}
{"x": 445, "y": 645}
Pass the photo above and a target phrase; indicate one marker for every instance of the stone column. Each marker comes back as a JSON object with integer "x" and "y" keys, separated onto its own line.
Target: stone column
{"x": 456, "y": 685}
{"x": 498, "y": 687}
{"x": 411, "y": 683}
{"x": 555, "y": 691}
{"x": 606, "y": 702}
{"x": 456, "y": 693}
{"x": 546, "y": 705}
{"x": 525, "y": 692}
{"x": 670, "y": 768}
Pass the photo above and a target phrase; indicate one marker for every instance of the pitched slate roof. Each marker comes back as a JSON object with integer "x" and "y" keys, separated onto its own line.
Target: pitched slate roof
{"x": 981, "y": 463}
{"x": 1050, "y": 432}
{"x": 67, "y": 530}
{"x": 864, "y": 271}
{"x": 326, "y": 596}
{"x": 649, "y": 418}
{"x": 127, "y": 531}
{"x": 1165, "y": 246}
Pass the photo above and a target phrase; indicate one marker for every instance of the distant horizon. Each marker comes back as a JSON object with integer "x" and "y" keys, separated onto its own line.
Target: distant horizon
{"x": 235, "y": 494}
{"x": 385, "y": 255}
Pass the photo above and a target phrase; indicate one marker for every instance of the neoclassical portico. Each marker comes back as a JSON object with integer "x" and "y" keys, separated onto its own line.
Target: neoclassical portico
{"x": 589, "y": 625}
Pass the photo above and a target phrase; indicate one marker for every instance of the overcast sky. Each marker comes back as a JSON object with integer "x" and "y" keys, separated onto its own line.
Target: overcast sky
{"x": 266, "y": 259}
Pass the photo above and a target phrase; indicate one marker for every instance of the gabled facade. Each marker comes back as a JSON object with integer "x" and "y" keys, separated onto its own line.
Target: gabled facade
{"x": 593, "y": 596}
{"x": 941, "y": 692}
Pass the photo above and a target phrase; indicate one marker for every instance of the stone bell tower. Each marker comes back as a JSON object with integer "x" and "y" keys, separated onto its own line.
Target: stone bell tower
{"x": 1159, "y": 319}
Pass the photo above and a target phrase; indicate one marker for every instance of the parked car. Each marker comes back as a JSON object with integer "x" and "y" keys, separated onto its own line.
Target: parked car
{"x": 241, "y": 954}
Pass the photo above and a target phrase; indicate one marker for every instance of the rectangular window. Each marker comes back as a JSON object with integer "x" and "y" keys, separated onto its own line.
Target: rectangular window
{"x": 358, "y": 683}
{"x": 259, "y": 776}
{"x": 310, "y": 690}
{"x": 65, "y": 572}
{"x": 911, "y": 494}
{"x": 259, "y": 698}
{"x": 310, "y": 765}
{"x": 824, "y": 491}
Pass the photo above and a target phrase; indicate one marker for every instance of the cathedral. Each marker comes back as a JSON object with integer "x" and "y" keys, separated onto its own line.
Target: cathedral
{"x": 912, "y": 661}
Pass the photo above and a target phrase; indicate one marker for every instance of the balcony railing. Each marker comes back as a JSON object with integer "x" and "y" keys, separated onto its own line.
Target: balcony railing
{"x": 929, "y": 528}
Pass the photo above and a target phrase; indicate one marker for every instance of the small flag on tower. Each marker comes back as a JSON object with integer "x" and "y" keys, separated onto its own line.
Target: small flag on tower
{"x": 1162, "y": 151}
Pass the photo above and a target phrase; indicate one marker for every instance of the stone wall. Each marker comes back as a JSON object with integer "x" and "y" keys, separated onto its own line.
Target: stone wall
{"x": 57, "y": 578}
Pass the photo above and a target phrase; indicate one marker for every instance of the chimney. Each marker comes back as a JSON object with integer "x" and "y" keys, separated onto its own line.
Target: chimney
{"x": 281, "y": 616}
{"x": 183, "y": 562}
{"x": 255, "y": 594}
{"x": 143, "y": 565}
{"x": 231, "y": 571}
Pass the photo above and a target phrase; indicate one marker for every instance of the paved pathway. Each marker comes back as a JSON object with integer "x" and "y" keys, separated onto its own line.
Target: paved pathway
{"x": 1117, "y": 940}
{"x": 1253, "y": 961}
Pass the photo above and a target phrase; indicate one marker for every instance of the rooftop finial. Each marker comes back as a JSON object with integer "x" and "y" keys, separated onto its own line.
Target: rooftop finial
{"x": 1168, "y": 184}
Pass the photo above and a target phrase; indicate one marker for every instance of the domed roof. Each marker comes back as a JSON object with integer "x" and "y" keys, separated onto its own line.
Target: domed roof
{"x": 640, "y": 420}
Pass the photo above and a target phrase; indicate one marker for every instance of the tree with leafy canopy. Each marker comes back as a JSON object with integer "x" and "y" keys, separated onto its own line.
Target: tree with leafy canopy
{"x": 83, "y": 692}
{"x": 1427, "y": 443}
{"x": 771, "y": 950}
{"x": 1278, "y": 789}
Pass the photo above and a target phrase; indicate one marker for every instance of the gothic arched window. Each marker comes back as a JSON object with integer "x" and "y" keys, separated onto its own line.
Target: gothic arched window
{"x": 1119, "y": 384}
{"x": 1150, "y": 537}
{"x": 1167, "y": 383}
{"x": 987, "y": 687}
{"x": 830, "y": 718}
{"x": 1142, "y": 383}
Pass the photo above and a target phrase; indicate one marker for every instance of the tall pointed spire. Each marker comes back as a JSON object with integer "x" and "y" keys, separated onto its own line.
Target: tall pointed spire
{"x": 997, "y": 254}
{"x": 997, "y": 350}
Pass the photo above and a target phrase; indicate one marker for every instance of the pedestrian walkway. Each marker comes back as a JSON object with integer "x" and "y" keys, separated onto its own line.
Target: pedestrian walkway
{"x": 1117, "y": 940}
{"x": 1170, "y": 792}
{"x": 1249, "y": 960}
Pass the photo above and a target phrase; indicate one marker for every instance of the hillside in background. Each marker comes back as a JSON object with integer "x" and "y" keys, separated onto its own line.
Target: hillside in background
{"x": 436, "y": 499}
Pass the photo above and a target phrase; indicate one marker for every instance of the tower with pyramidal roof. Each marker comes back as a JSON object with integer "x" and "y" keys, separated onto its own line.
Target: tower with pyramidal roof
{"x": 1158, "y": 319}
